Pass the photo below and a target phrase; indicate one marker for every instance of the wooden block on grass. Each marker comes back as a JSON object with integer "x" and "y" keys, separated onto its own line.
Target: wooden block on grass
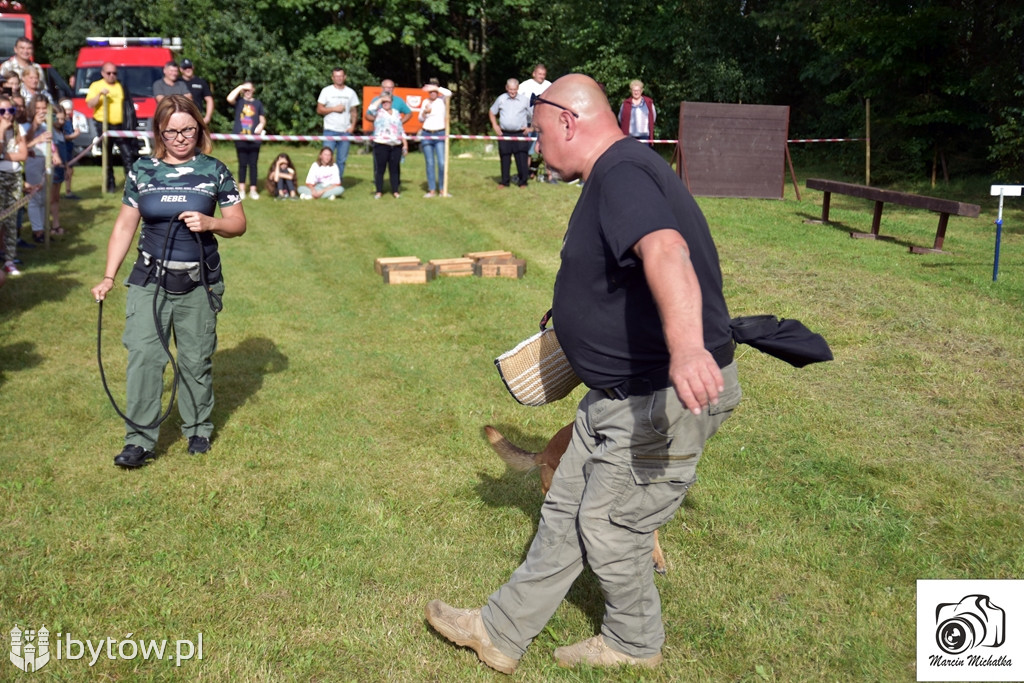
{"x": 379, "y": 264}
{"x": 408, "y": 274}
{"x": 452, "y": 267}
{"x": 476, "y": 255}
{"x": 500, "y": 267}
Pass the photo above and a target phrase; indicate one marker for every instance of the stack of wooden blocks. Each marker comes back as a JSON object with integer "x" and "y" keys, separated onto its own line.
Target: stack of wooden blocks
{"x": 404, "y": 270}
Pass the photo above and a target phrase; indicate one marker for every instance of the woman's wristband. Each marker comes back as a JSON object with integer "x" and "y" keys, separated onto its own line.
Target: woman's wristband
{"x": 107, "y": 277}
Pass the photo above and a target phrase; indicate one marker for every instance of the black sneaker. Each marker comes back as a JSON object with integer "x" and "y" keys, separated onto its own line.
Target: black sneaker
{"x": 198, "y": 445}
{"x": 133, "y": 456}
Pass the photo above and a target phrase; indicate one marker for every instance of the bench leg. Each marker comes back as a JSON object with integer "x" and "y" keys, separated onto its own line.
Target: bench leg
{"x": 940, "y": 236}
{"x": 876, "y": 222}
{"x": 825, "y": 202}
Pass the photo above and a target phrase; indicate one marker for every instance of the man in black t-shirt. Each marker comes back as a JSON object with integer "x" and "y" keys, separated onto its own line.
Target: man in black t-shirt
{"x": 200, "y": 90}
{"x": 639, "y": 311}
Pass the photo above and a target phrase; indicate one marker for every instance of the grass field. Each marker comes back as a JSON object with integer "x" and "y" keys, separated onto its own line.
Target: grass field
{"x": 349, "y": 482}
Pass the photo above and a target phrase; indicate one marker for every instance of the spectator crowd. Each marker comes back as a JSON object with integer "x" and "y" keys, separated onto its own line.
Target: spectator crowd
{"x": 27, "y": 141}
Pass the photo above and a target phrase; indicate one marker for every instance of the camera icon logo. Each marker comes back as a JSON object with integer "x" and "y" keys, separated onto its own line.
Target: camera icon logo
{"x": 972, "y": 622}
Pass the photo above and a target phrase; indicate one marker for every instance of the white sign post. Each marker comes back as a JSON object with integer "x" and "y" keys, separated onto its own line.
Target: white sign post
{"x": 1002, "y": 191}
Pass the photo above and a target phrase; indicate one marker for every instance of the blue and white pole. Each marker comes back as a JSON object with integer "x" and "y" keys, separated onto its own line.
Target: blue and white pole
{"x": 1001, "y": 191}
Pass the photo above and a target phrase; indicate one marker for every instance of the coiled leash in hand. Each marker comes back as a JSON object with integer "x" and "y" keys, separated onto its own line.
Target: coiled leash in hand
{"x": 216, "y": 305}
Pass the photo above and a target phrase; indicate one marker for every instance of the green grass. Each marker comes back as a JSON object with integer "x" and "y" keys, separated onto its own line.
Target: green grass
{"x": 349, "y": 482}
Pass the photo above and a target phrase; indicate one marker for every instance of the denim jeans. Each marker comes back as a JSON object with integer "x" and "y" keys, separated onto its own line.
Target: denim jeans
{"x": 435, "y": 164}
{"x": 340, "y": 148}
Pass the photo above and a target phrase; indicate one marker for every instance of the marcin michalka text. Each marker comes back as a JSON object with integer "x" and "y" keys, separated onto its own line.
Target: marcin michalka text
{"x": 970, "y": 660}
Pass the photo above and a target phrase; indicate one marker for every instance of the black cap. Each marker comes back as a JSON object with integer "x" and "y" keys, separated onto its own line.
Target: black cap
{"x": 186, "y": 64}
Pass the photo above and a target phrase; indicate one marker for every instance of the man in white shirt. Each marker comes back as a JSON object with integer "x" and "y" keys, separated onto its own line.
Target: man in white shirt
{"x": 337, "y": 104}
{"x": 535, "y": 85}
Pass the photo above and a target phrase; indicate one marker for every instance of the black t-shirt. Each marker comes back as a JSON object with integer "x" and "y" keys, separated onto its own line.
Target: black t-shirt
{"x": 199, "y": 89}
{"x": 161, "y": 192}
{"x": 606, "y": 318}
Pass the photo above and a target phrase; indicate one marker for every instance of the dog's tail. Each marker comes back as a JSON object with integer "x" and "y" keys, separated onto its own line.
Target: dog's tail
{"x": 514, "y": 456}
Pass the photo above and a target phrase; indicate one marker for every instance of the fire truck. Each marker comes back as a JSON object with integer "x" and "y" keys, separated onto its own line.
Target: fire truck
{"x": 14, "y": 23}
{"x": 139, "y": 61}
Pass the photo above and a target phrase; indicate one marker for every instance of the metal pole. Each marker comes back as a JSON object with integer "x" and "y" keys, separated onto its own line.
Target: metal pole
{"x": 447, "y": 143}
{"x": 999, "y": 236}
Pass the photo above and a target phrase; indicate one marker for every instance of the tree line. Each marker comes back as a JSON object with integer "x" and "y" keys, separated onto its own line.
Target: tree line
{"x": 944, "y": 77}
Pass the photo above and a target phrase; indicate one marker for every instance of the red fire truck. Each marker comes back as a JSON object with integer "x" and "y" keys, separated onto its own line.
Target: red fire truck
{"x": 139, "y": 62}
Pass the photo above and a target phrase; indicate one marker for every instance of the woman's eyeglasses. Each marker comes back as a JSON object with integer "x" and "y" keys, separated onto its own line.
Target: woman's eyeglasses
{"x": 171, "y": 134}
{"x": 8, "y": 110}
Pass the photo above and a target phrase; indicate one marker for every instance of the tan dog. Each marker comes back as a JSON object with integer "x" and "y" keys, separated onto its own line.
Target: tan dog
{"x": 547, "y": 460}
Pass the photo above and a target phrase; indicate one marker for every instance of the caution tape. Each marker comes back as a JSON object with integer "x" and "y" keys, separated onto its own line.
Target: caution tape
{"x": 368, "y": 138}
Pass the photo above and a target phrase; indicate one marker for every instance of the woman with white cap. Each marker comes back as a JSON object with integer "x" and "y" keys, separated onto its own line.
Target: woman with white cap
{"x": 434, "y": 114}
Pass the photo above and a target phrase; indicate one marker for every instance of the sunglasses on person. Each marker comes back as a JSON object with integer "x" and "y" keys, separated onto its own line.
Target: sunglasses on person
{"x": 4, "y": 111}
{"x": 172, "y": 134}
{"x": 110, "y": 73}
{"x": 535, "y": 98}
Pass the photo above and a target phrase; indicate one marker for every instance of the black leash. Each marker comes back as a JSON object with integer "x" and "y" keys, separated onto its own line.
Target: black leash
{"x": 216, "y": 305}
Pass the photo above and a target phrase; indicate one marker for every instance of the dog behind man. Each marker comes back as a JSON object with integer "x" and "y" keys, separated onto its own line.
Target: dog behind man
{"x": 547, "y": 462}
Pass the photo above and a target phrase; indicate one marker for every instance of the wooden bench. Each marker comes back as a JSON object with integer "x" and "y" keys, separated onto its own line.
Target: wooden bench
{"x": 944, "y": 207}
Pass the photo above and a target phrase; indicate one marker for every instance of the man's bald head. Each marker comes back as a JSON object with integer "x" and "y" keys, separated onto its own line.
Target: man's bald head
{"x": 583, "y": 95}
{"x": 576, "y": 125}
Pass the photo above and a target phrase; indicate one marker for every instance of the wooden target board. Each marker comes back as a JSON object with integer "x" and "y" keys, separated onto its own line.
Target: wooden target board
{"x": 733, "y": 150}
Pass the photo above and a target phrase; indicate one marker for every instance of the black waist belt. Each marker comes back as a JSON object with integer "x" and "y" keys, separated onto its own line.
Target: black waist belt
{"x": 512, "y": 132}
{"x": 644, "y": 386}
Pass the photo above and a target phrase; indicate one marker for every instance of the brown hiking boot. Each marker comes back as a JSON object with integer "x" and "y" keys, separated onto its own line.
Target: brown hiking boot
{"x": 595, "y": 652}
{"x": 465, "y": 627}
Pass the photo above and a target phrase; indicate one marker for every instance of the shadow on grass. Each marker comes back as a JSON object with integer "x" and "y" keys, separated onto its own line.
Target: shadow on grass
{"x": 18, "y": 356}
{"x": 238, "y": 376}
{"x": 843, "y": 227}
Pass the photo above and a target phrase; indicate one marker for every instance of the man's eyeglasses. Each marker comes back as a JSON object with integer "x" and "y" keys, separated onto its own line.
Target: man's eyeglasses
{"x": 535, "y": 98}
{"x": 8, "y": 110}
{"x": 110, "y": 73}
{"x": 171, "y": 134}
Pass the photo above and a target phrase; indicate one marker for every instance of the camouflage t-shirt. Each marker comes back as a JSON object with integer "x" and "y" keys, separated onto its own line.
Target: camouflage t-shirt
{"x": 161, "y": 192}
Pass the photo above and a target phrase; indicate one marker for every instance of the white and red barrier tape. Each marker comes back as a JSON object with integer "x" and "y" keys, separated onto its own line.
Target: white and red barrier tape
{"x": 362, "y": 138}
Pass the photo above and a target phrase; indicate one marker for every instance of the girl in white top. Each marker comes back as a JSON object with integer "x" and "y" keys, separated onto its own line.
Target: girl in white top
{"x": 322, "y": 181}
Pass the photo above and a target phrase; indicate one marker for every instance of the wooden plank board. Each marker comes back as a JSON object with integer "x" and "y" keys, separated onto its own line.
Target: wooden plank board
{"x": 408, "y": 274}
{"x": 733, "y": 150}
{"x": 489, "y": 254}
{"x": 500, "y": 267}
{"x": 378, "y": 264}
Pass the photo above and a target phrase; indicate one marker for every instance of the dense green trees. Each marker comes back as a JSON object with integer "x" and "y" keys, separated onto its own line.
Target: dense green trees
{"x": 943, "y": 76}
